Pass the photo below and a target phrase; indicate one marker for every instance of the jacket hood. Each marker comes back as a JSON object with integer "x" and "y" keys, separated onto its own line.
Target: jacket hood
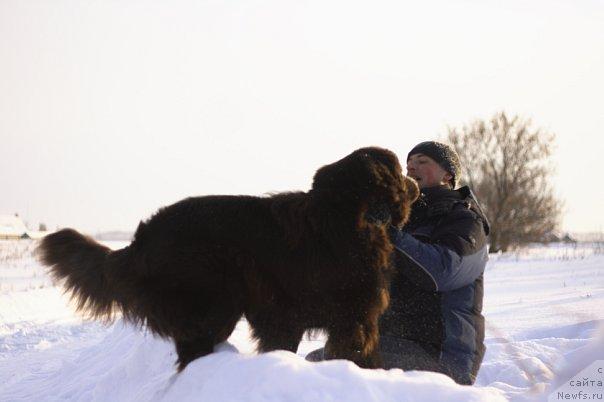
{"x": 469, "y": 196}
{"x": 433, "y": 195}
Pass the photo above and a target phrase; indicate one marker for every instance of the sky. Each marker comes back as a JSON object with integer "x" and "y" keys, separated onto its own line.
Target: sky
{"x": 110, "y": 109}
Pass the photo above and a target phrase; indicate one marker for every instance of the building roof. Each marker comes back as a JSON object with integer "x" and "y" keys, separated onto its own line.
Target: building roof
{"x": 12, "y": 225}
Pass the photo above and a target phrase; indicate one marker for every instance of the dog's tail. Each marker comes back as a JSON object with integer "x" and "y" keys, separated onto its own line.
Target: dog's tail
{"x": 96, "y": 276}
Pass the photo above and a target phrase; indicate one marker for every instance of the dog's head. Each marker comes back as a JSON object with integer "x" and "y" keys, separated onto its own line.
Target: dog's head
{"x": 373, "y": 176}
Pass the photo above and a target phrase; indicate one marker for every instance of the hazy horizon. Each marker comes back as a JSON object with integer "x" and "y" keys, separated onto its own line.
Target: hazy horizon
{"x": 110, "y": 110}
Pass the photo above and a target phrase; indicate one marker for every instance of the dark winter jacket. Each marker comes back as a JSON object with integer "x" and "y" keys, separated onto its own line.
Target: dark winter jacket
{"x": 436, "y": 294}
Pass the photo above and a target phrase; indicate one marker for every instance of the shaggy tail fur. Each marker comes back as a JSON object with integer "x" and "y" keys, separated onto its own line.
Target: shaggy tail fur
{"x": 88, "y": 269}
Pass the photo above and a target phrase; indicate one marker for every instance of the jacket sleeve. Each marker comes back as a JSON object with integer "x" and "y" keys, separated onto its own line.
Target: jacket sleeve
{"x": 454, "y": 257}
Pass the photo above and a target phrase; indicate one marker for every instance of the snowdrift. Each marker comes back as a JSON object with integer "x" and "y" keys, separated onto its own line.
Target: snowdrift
{"x": 131, "y": 364}
{"x": 544, "y": 325}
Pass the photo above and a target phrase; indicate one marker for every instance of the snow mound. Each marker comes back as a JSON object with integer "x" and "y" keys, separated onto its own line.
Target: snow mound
{"x": 133, "y": 365}
{"x": 544, "y": 322}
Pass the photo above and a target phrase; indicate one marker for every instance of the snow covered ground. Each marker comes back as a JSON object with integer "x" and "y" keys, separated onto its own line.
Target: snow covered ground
{"x": 544, "y": 309}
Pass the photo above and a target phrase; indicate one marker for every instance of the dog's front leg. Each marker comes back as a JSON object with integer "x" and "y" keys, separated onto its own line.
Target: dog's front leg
{"x": 357, "y": 342}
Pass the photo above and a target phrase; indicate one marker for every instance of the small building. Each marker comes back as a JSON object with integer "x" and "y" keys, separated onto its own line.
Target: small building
{"x": 13, "y": 228}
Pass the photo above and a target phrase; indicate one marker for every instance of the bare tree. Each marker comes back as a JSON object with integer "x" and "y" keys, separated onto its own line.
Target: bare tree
{"x": 507, "y": 165}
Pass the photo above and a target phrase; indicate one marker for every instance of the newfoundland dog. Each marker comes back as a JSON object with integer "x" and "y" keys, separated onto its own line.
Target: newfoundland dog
{"x": 288, "y": 262}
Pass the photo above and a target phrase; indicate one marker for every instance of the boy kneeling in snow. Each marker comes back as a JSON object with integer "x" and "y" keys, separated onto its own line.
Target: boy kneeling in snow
{"x": 434, "y": 322}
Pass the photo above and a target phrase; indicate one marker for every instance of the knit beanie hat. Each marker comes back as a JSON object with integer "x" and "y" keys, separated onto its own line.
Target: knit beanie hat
{"x": 442, "y": 154}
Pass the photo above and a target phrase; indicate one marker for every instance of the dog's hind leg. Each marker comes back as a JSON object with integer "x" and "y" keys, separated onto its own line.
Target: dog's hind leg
{"x": 190, "y": 349}
{"x": 214, "y": 329}
{"x": 275, "y": 331}
{"x": 193, "y": 348}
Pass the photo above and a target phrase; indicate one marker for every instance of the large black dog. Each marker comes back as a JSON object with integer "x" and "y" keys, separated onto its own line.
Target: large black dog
{"x": 289, "y": 262}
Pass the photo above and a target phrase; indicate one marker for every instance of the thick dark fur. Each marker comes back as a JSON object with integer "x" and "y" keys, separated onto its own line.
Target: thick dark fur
{"x": 289, "y": 262}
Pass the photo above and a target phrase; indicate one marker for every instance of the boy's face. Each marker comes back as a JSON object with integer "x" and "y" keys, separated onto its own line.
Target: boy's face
{"x": 426, "y": 171}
